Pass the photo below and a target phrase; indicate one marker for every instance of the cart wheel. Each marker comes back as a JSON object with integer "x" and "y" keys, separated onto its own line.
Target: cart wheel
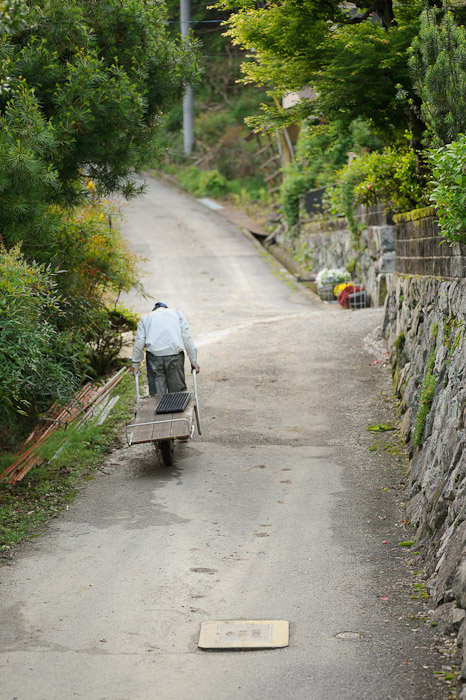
{"x": 167, "y": 448}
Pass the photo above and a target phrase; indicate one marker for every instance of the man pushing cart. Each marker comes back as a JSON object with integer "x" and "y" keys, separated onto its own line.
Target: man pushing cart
{"x": 164, "y": 334}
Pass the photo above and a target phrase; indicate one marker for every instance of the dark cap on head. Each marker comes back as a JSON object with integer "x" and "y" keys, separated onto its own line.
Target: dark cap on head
{"x": 158, "y": 304}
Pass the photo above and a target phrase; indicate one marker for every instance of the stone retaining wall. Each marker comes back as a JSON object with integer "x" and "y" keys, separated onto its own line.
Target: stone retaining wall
{"x": 330, "y": 244}
{"x": 419, "y": 248}
{"x": 425, "y": 322}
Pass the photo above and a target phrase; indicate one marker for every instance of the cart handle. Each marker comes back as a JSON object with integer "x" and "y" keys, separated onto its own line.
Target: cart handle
{"x": 196, "y": 404}
{"x": 136, "y": 377}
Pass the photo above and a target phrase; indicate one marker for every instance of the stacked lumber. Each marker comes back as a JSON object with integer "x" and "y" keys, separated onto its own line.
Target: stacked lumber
{"x": 83, "y": 403}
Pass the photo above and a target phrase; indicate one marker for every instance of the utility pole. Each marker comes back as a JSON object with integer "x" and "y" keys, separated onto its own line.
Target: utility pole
{"x": 188, "y": 98}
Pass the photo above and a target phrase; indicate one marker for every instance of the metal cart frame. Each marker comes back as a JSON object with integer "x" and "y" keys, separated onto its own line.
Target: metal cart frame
{"x": 163, "y": 432}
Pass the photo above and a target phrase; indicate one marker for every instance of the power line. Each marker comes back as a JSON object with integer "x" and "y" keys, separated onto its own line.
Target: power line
{"x": 195, "y": 21}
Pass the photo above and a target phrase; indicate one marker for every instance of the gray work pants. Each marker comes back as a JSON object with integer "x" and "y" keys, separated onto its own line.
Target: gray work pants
{"x": 165, "y": 373}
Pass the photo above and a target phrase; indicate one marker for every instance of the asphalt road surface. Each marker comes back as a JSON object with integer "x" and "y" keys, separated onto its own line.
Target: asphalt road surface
{"x": 278, "y": 511}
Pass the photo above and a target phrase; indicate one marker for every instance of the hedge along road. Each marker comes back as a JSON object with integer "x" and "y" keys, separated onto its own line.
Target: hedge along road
{"x": 279, "y": 511}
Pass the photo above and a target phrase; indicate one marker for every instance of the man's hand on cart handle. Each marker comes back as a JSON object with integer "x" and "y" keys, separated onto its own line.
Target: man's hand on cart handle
{"x": 135, "y": 371}
{"x": 195, "y": 366}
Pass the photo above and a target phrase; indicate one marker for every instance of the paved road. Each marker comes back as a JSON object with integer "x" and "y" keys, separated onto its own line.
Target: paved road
{"x": 279, "y": 511}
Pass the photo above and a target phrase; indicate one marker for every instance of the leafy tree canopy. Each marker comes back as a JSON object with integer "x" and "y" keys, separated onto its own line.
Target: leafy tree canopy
{"x": 354, "y": 56}
{"x": 37, "y": 363}
{"x": 85, "y": 87}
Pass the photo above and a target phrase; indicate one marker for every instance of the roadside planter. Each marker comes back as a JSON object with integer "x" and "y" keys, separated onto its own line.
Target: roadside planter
{"x": 351, "y": 295}
{"x": 326, "y": 281}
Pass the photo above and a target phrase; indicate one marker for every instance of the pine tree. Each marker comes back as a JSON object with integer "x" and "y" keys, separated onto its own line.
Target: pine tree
{"x": 438, "y": 66}
{"x": 85, "y": 87}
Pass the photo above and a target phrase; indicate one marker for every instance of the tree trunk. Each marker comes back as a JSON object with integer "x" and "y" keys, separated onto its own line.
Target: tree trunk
{"x": 384, "y": 9}
{"x": 418, "y": 128}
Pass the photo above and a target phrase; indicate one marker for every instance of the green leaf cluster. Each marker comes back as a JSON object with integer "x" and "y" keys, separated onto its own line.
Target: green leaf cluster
{"x": 448, "y": 193}
{"x": 87, "y": 88}
{"x": 59, "y": 321}
{"x": 438, "y": 66}
{"x": 354, "y": 62}
{"x": 38, "y": 362}
{"x": 83, "y": 92}
{"x": 12, "y": 15}
{"x": 28, "y": 180}
{"x": 350, "y": 65}
{"x": 364, "y": 70}
{"x": 387, "y": 176}
{"x": 401, "y": 71}
{"x": 321, "y": 151}
{"x": 284, "y": 39}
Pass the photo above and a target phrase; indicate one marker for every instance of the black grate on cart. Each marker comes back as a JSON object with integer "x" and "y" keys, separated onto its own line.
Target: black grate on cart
{"x": 173, "y": 403}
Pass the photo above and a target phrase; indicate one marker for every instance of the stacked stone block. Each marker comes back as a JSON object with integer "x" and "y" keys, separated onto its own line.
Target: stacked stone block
{"x": 420, "y": 250}
{"x": 425, "y": 324}
{"x": 329, "y": 243}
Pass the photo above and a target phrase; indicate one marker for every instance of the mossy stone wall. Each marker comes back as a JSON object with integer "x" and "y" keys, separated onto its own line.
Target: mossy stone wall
{"x": 317, "y": 244}
{"x": 420, "y": 250}
{"x": 425, "y": 325}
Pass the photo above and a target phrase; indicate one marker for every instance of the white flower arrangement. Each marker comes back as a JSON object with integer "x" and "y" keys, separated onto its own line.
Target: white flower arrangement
{"x": 332, "y": 277}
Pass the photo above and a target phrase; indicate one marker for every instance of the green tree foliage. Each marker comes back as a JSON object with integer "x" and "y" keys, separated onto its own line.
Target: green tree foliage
{"x": 388, "y": 176}
{"x": 12, "y": 15}
{"x": 59, "y": 321}
{"x": 83, "y": 90}
{"x": 362, "y": 70}
{"x": 38, "y": 362}
{"x": 321, "y": 151}
{"x": 438, "y": 65}
{"x": 98, "y": 267}
{"x": 96, "y": 258}
{"x": 28, "y": 180}
{"x": 449, "y": 189}
{"x": 356, "y": 62}
{"x": 87, "y": 88}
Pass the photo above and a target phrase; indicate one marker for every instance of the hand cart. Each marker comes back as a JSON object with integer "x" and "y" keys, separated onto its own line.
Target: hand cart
{"x": 163, "y": 428}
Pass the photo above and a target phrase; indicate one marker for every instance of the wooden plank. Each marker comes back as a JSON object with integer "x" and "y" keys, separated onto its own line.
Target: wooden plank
{"x": 271, "y": 160}
{"x": 155, "y": 429}
{"x": 263, "y": 149}
{"x": 274, "y": 175}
